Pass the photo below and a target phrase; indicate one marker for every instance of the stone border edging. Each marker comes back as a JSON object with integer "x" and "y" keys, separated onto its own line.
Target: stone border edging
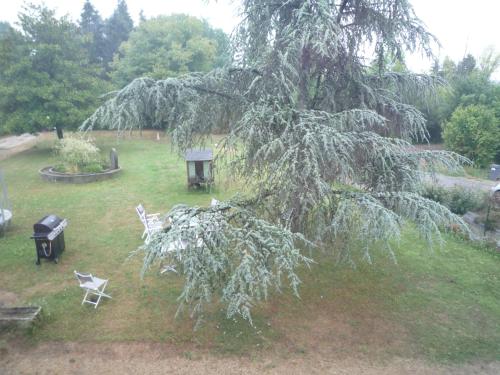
{"x": 48, "y": 174}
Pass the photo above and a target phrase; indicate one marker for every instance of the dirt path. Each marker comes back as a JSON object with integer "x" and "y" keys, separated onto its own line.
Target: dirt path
{"x": 148, "y": 358}
{"x": 323, "y": 357}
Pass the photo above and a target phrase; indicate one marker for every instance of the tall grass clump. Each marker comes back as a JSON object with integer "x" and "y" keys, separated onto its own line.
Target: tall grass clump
{"x": 77, "y": 155}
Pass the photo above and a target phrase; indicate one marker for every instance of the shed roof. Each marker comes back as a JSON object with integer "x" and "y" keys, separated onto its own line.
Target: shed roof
{"x": 198, "y": 155}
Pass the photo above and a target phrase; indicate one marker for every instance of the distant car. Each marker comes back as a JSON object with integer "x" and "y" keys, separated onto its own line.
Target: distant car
{"x": 495, "y": 195}
{"x": 494, "y": 172}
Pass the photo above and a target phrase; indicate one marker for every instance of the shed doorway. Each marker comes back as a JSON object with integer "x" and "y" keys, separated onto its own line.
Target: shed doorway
{"x": 198, "y": 170}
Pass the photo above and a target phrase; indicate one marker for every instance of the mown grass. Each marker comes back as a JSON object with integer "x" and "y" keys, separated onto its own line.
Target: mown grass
{"x": 442, "y": 304}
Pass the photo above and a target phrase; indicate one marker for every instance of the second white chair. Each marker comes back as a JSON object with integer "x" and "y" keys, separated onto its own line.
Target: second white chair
{"x": 93, "y": 286}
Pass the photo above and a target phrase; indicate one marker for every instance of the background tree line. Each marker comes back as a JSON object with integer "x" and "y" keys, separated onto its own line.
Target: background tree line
{"x": 466, "y": 114}
{"x": 54, "y": 71}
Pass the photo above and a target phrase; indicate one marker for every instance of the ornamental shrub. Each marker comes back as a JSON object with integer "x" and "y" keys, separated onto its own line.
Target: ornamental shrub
{"x": 458, "y": 199}
{"x": 462, "y": 200}
{"x": 436, "y": 193}
{"x": 473, "y": 131}
{"x": 78, "y": 155}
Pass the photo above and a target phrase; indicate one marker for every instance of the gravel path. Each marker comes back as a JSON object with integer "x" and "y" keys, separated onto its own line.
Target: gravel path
{"x": 469, "y": 183}
{"x": 17, "y": 143}
{"x": 13, "y": 141}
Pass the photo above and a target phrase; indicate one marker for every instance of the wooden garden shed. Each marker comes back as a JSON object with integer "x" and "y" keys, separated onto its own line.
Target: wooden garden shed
{"x": 199, "y": 165}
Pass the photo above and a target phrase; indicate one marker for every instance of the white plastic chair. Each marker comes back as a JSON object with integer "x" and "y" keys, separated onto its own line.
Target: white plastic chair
{"x": 151, "y": 222}
{"x": 93, "y": 286}
{"x": 142, "y": 214}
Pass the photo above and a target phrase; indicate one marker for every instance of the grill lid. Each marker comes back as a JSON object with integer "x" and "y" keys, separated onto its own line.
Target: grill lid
{"x": 46, "y": 224}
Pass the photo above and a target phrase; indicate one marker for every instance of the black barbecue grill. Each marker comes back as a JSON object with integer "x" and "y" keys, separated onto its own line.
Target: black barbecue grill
{"x": 49, "y": 237}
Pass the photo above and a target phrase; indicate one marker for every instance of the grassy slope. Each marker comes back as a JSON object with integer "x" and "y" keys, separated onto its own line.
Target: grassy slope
{"x": 469, "y": 172}
{"x": 443, "y": 305}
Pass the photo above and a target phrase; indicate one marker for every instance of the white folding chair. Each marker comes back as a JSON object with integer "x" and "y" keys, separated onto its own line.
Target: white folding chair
{"x": 93, "y": 286}
{"x": 151, "y": 222}
{"x": 150, "y": 229}
{"x": 142, "y": 214}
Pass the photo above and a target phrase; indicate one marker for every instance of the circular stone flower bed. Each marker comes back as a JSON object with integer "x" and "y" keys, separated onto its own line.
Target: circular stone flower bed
{"x": 49, "y": 174}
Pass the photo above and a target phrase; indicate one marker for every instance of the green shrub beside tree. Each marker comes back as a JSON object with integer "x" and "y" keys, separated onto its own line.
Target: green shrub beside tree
{"x": 474, "y": 131}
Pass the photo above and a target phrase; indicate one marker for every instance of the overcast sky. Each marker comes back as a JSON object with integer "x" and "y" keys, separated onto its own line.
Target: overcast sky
{"x": 461, "y": 26}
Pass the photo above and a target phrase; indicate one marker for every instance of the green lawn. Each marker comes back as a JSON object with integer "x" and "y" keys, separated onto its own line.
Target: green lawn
{"x": 442, "y": 304}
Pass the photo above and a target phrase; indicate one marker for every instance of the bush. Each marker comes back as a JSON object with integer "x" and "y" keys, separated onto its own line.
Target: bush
{"x": 436, "y": 193}
{"x": 462, "y": 200}
{"x": 474, "y": 132}
{"x": 459, "y": 200}
{"x": 78, "y": 155}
